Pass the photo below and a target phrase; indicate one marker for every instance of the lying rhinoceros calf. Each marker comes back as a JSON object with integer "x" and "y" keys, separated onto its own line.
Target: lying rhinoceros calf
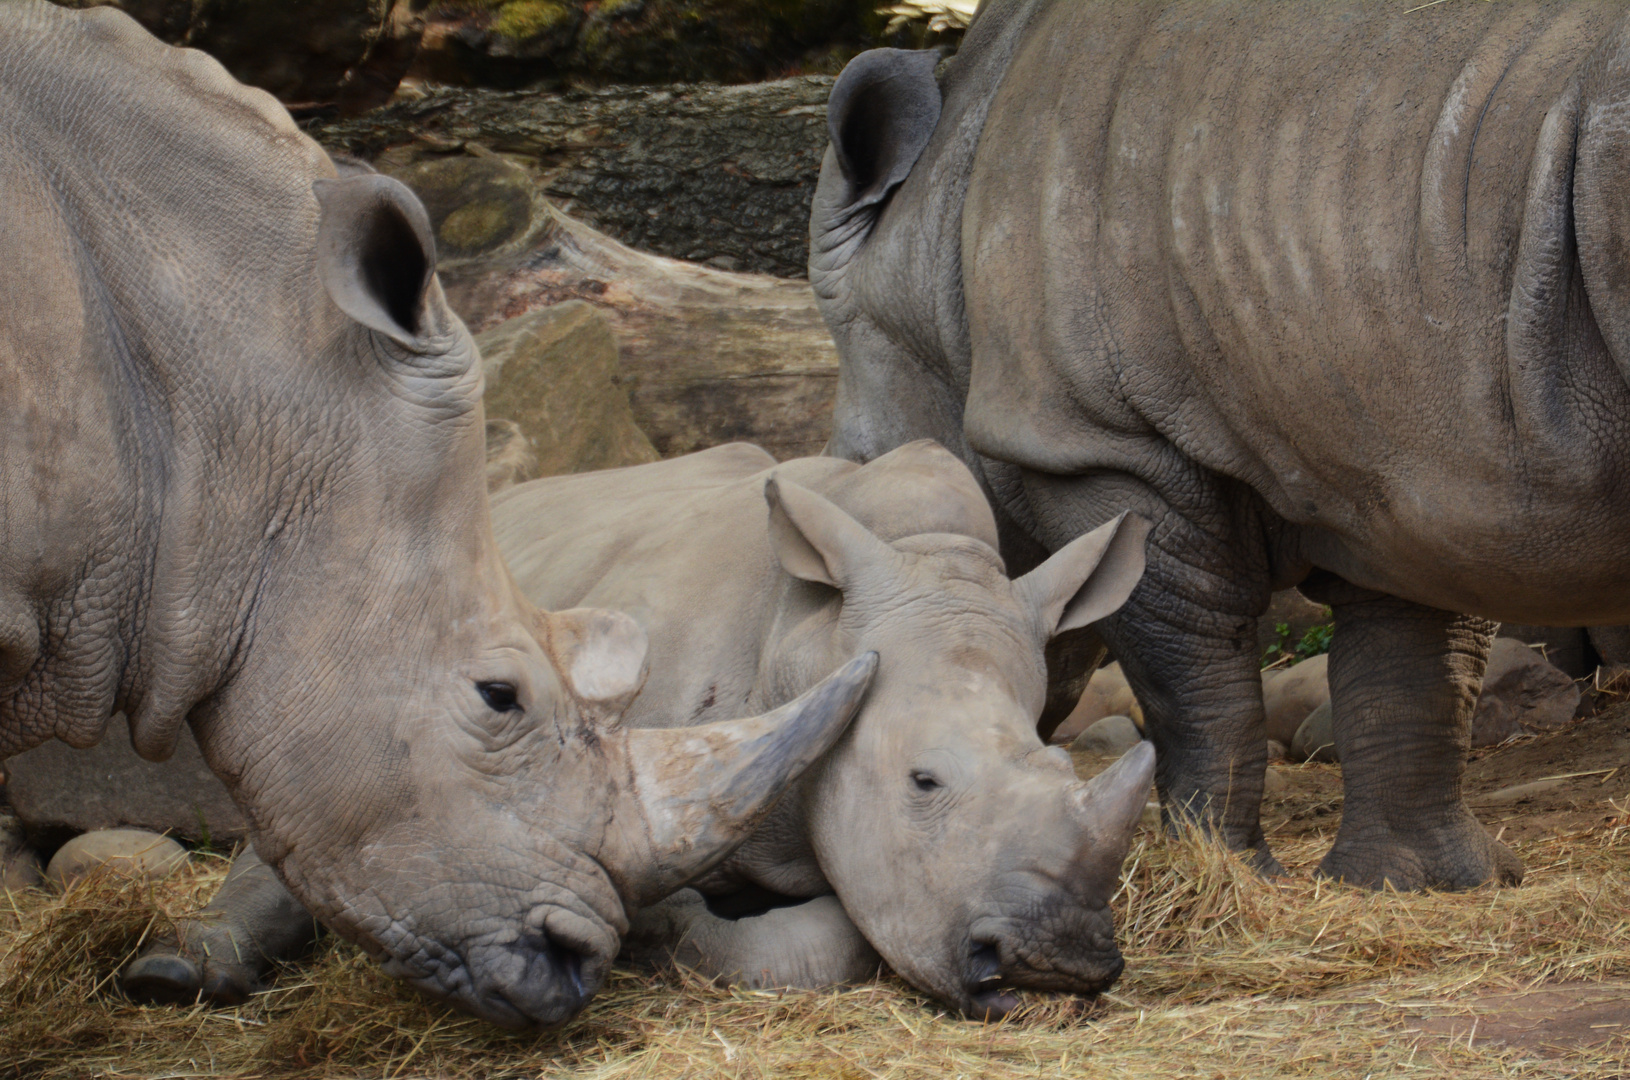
{"x": 1337, "y": 294}
{"x": 241, "y": 454}
{"x": 957, "y": 845}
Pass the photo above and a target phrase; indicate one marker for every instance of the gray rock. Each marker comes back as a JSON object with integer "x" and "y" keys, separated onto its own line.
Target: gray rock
{"x": 19, "y": 862}
{"x": 1278, "y": 751}
{"x": 1522, "y": 692}
{"x": 1315, "y": 740}
{"x": 553, "y": 372}
{"x": 54, "y": 788}
{"x": 1273, "y": 782}
{"x": 1111, "y": 735}
{"x": 130, "y": 852}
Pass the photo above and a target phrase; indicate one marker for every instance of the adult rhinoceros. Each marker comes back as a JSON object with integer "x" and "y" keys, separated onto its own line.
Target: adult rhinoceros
{"x": 241, "y": 458}
{"x": 1336, "y": 294}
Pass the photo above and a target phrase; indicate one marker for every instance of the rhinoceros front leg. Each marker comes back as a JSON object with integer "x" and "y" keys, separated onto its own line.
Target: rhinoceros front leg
{"x": 1403, "y": 684}
{"x": 808, "y": 945}
{"x": 252, "y": 922}
{"x": 1186, "y": 639}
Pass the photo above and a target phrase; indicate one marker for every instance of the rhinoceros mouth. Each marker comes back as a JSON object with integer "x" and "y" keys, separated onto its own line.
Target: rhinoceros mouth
{"x": 989, "y": 994}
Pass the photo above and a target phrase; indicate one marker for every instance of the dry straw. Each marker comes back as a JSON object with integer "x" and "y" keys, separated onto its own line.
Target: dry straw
{"x": 1228, "y": 975}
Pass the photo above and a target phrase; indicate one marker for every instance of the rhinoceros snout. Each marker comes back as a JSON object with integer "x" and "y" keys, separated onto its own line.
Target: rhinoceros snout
{"x": 537, "y": 981}
{"x": 999, "y": 965}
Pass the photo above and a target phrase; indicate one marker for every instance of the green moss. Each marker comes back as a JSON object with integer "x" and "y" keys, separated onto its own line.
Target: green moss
{"x": 522, "y": 20}
{"x": 477, "y": 225}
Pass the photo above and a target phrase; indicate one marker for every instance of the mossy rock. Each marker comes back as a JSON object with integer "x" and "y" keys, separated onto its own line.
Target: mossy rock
{"x": 477, "y": 205}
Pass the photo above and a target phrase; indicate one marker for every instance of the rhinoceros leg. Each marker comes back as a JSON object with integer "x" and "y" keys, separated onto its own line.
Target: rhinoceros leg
{"x": 1186, "y": 639}
{"x": 1403, "y": 684}
{"x": 808, "y": 945}
{"x": 251, "y": 923}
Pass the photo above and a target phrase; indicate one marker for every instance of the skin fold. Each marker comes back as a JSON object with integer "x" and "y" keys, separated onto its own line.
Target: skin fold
{"x": 1335, "y": 295}
{"x": 241, "y": 456}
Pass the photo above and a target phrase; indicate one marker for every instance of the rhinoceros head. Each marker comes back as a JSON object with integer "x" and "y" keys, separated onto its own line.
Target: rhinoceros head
{"x": 966, "y": 851}
{"x": 434, "y": 766}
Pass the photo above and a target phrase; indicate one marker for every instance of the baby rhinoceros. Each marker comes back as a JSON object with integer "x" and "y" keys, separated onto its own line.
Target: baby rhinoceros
{"x": 957, "y": 845}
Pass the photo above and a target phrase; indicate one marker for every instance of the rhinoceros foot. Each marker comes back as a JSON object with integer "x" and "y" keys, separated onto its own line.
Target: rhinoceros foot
{"x": 163, "y": 976}
{"x": 223, "y": 954}
{"x": 1457, "y": 853}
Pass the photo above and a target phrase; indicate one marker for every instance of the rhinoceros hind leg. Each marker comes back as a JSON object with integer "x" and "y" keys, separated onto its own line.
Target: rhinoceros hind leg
{"x": 1404, "y": 680}
{"x": 226, "y": 951}
{"x": 807, "y": 945}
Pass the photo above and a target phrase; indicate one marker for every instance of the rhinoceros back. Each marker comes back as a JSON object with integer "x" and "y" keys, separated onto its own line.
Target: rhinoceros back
{"x": 1279, "y": 241}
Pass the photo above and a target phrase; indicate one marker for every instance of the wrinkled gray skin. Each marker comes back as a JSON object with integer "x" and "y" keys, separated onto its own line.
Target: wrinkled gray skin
{"x": 1335, "y": 294}
{"x": 241, "y": 456}
{"x": 959, "y": 846}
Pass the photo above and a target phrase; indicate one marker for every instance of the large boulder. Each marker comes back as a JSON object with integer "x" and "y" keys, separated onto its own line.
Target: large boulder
{"x": 553, "y": 374}
{"x": 348, "y": 55}
{"x": 708, "y": 356}
{"x": 1522, "y": 692}
{"x": 56, "y": 790}
{"x": 1289, "y": 696}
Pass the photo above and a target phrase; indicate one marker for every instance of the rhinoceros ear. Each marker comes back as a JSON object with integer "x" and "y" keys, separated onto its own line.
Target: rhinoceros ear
{"x": 376, "y": 254}
{"x": 1090, "y": 577}
{"x": 600, "y": 654}
{"x": 815, "y": 540}
{"x": 880, "y": 116}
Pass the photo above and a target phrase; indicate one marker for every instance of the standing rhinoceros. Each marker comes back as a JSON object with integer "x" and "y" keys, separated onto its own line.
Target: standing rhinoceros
{"x": 1336, "y": 294}
{"x": 957, "y": 844}
{"x": 241, "y": 457}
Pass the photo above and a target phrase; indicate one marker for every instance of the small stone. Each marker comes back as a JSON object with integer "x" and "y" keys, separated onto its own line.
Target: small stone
{"x": 130, "y": 852}
{"x": 1273, "y": 782}
{"x": 1316, "y": 740}
{"x": 1111, "y": 735}
{"x": 1278, "y": 751}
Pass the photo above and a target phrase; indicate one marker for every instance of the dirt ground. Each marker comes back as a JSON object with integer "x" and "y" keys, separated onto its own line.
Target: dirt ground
{"x": 1539, "y": 786}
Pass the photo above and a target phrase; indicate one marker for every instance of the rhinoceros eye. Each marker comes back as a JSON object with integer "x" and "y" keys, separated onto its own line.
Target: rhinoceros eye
{"x": 499, "y": 696}
{"x": 925, "y": 781}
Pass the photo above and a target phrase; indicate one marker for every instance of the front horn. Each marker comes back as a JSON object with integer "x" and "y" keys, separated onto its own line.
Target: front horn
{"x": 698, "y": 792}
{"x": 1108, "y": 808}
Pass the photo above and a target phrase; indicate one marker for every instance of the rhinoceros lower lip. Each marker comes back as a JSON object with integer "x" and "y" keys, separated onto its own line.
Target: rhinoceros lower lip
{"x": 987, "y": 995}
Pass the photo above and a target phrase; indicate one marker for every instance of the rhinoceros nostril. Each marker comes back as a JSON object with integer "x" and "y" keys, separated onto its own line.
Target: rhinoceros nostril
{"x": 984, "y": 964}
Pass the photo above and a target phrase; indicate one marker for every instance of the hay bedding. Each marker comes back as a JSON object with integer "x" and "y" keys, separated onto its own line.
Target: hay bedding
{"x": 1227, "y": 976}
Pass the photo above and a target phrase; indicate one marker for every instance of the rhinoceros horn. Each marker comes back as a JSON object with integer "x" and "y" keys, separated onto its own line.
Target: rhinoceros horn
{"x": 699, "y": 791}
{"x": 1108, "y": 808}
